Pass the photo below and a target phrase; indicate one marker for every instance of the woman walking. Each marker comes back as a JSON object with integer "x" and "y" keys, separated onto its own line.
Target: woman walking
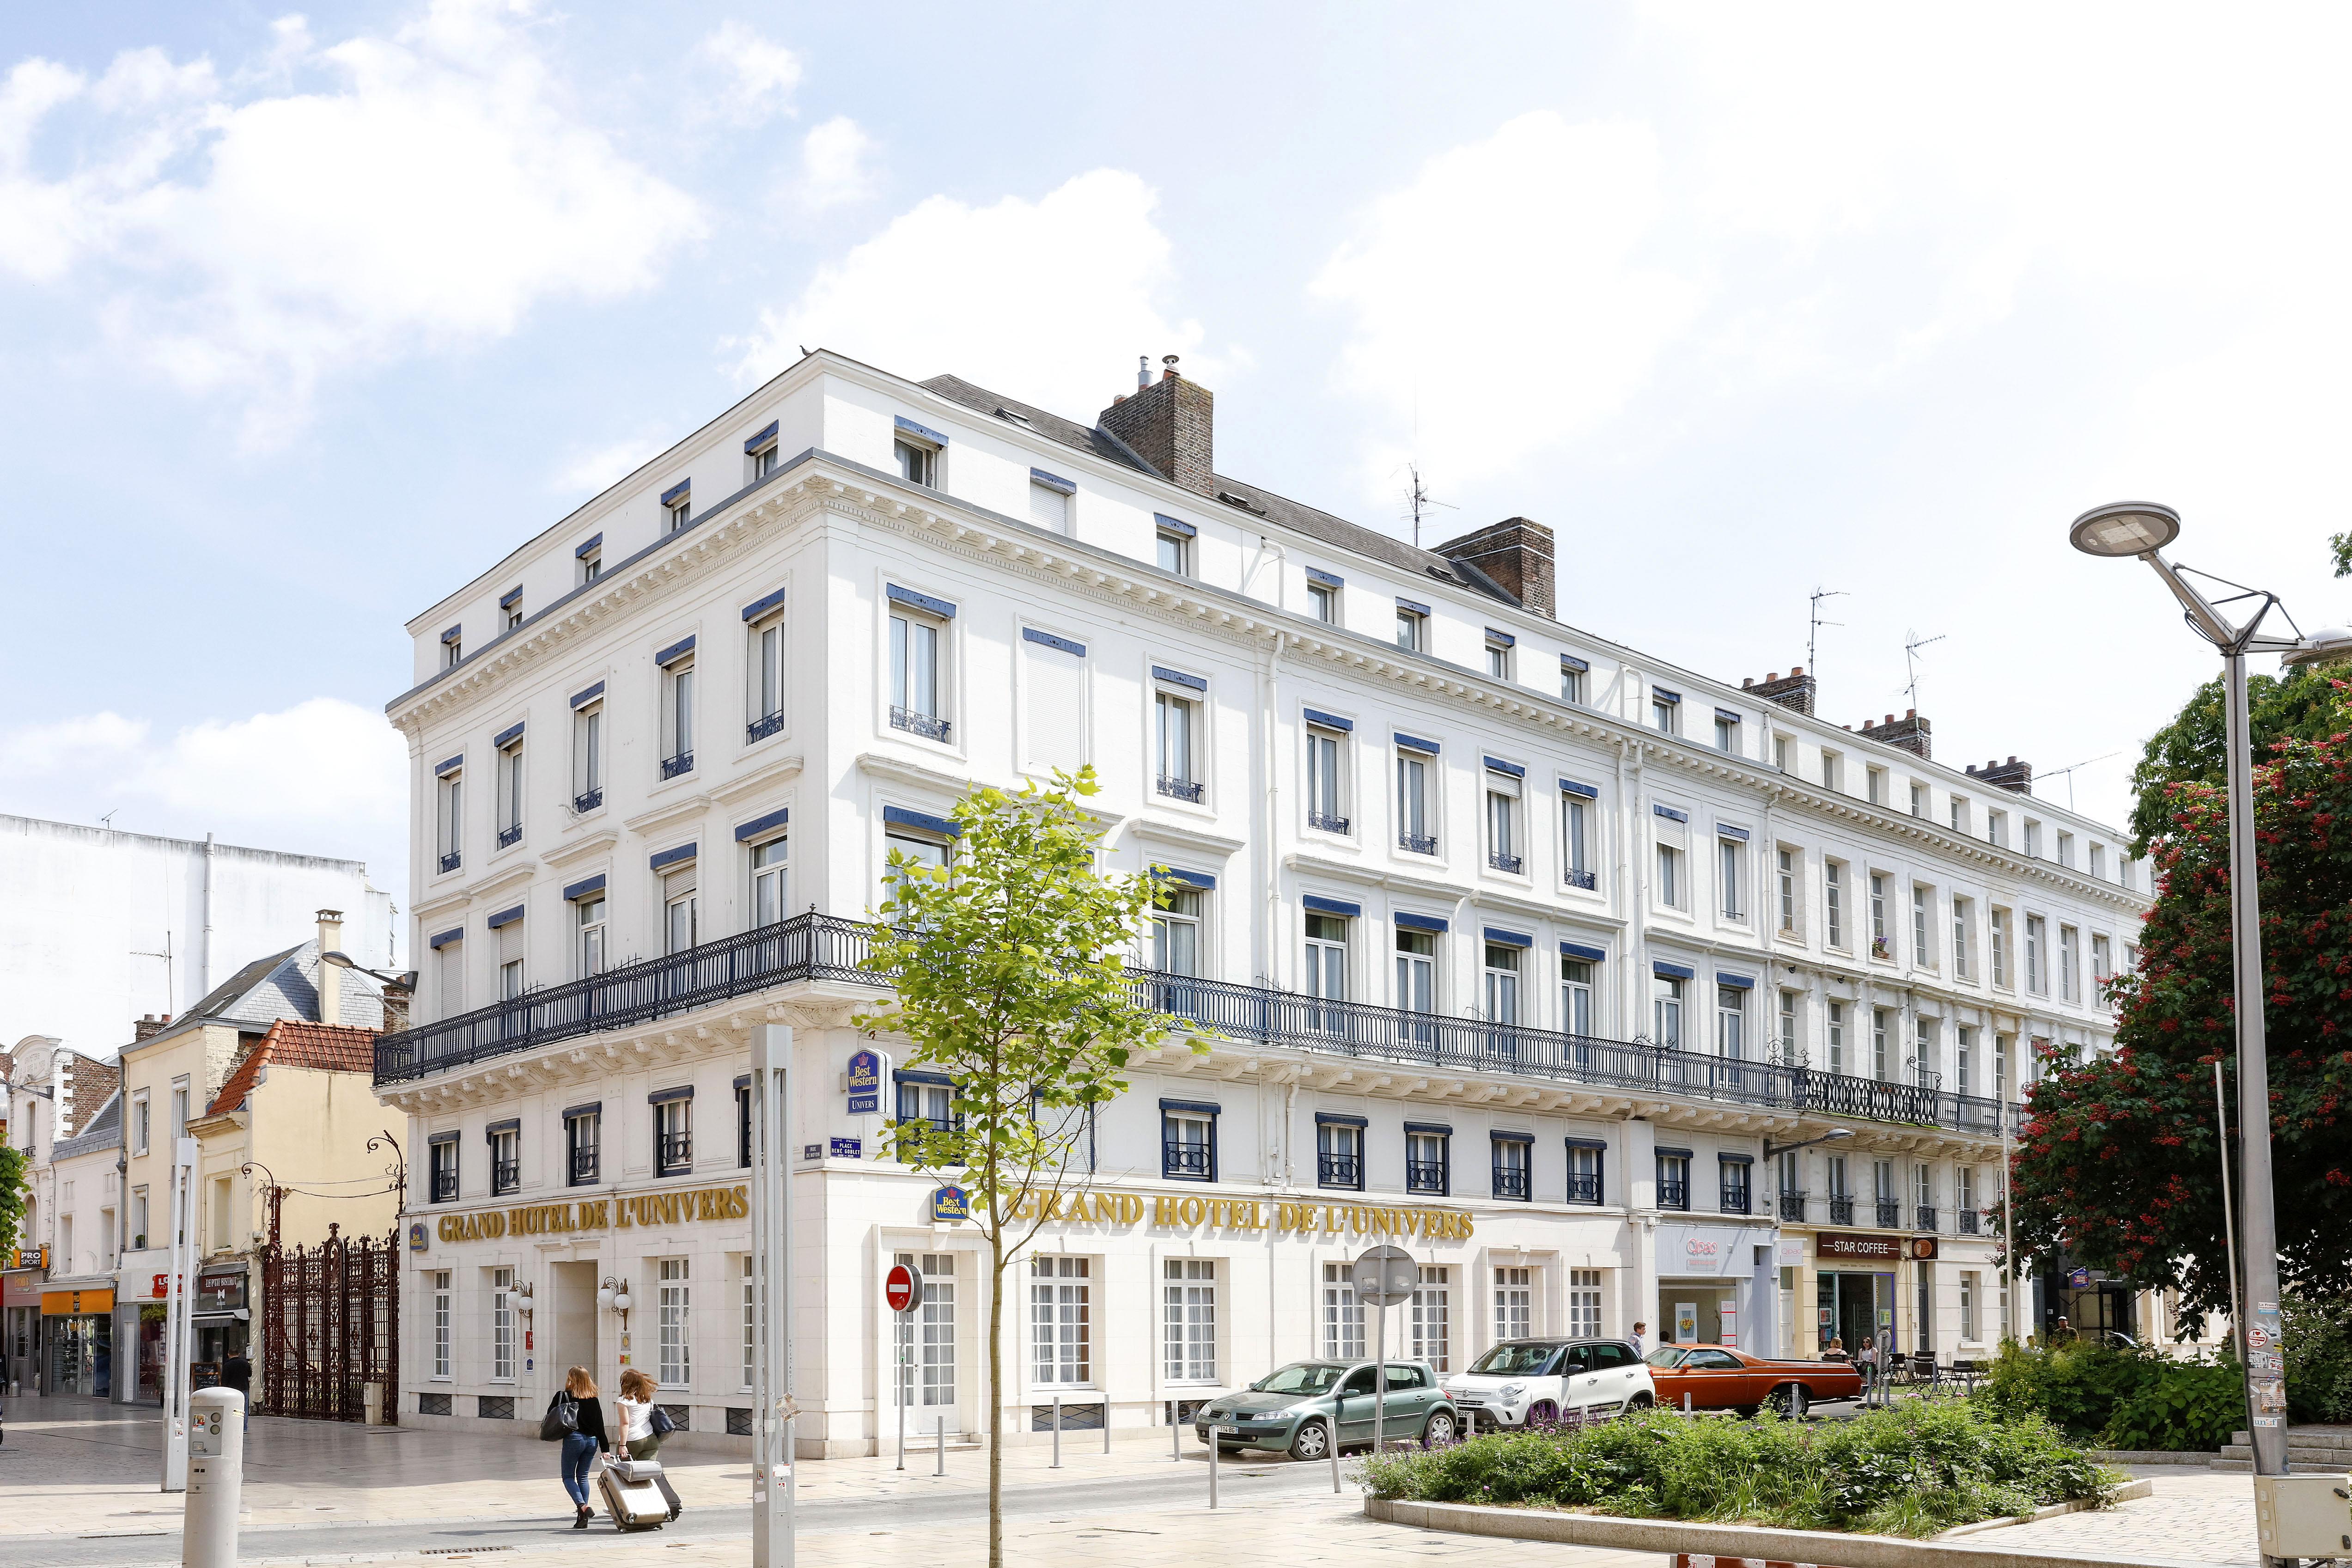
{"x": 583, "y": 1436}
{"x": 638, "y": 1438}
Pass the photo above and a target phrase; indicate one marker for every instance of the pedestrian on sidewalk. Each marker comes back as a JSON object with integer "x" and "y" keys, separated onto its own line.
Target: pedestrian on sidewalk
{"x": 639, "y": 1440}
{"x": 1639, "y": 1348}
{"x": 579, "y": 1417}
{"x": 236, "y": 1372}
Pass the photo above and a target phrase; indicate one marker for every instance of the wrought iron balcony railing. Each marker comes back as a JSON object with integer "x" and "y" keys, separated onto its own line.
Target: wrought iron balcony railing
{"x": 1584, "y": 1186}
{"x": 675, "y": 1157}
{"x": 761, "y": 728}
{"x": 1183, "y": 789}
{"x": 1510, "y": 1183}
{"x": 1735, "y": 1197}
{"x": 1326, "y": 822}
{"x": 1890, "y": 1213}
{"x": 1792, "y": 1206}
{"x": 929, "y": 726}
{"x": 511, "y": 835}
{"x": 824, "y": 948}
{"x": 1419, "y": 842}
{"x": 444, "y": 1186}
{"x": 1926, "y": 1216}
{"x": 583, "y": 1167}
{"x": 1514, "y": 864}
{"x": 1840, "y": 1209}
{"x": 1424, "y": 1176}
{"x": 1588, "y": 880}
{"x": 1185, "y": 1160}
{"x": 673, "y": 766}
{"x": 1339, "y": 1171}
{"x": 588, "y": 800}
{"x": 1969, "y": 1219}
{"x": 1673, "y": 1194}
{"x": 452, "y": 861}
{"x": 505, "y": 1176}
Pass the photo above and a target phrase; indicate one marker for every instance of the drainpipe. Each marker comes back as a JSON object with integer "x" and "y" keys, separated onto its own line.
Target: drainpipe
{"x": 204, "y": 963}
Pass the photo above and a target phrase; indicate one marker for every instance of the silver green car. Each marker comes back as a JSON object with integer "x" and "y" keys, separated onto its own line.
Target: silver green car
{"x": 1300, "y": 1409}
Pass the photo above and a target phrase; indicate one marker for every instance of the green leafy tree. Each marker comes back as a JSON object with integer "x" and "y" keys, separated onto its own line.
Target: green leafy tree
{"x": 2189, "y": 750}
{"x": 1010, "y": 980}
{"x": 13, "y": 1164}
{"x": 2120, "y": 1155}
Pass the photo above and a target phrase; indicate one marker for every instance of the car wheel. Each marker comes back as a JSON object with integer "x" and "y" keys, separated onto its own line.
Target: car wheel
{"x": 1790, "y": 1400}
{"x": 1312, "y": 1441}
{"x": 1640, "y": 1402}
{"x": 1439, "y": 1429}
{"x": 1543, "y": 1412}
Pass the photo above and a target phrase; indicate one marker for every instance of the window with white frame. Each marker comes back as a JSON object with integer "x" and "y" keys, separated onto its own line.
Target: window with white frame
{"x": 1923, "y": 1051}
{"x": 1833, "y": 772}
{"x": 918, "y": 673}
{"x": 1429, "y": 1318}
{"x": 2035, "y": 981}
{"x": 1343, "y": 1317}
{"x": 453, "y": 647}
{"x": 1501, "y": 982}
{"x": 770, "y": 880}
{"x": 673, "y": 1324}
{"x": 1323, "y": 600}
{"x": 1061, "y": 1320}
{"x": 1172, "y": 547}
{"x": 1726, "y": 731}
{"x": 139, "y": 1124}
{"x": 1785, "y": 888}
{"x": 1959, "y": 815}
{"x": 1515, "y": 1303}
{"x": 764, "y": 653}
{"x": 449, "y": 818}
{"x": 1783, "y": 754}
{"x": 588, "y": 757}
{"x": 679, "y": 510}
{"x": 1176, "y": 930}
{"x": 1416, "y": 970}
{"x": 1834, "y": 1031}
{"x": 1882, "y": 1049}
{"x": 1731, "y": 1022}
{"x": 1918, "y": 800}
{"x": 1412, "y": 627}
{"x": 1576, "y": 839}
{"x": 2001, "y": 1066}
{"x": 674, "y": 1138}
{"x": 1416, "y": 802}
{"x": 588, "y": 917}
{"x": 509, "y": 938}
{"x": 1338, "y": 1152}
{"x": 1670, "y": 877}
{"x": 748, "y": 1282}
{"x": 1327, "y": 783}
{"x": 917, "y": 460}
{"x": 1177, "y": 717}
{"x": 505, "y": 1159}
{"x": 1964, "y": 1045}
{"x": 1730, "y": 857}
{"x": 1997, "y": 827}
{"x": 1787, "y": 1027}
{"x": 1963, "y": 931}
{"x": 1428, "y": 1161}
{"x": 1575, "y": 995}
{"x": 1923, "y": 948}
{"x": 1968, "y": 1290}
{"x": 1999, "y": 939}
{"x": 1499, "y": 655}
{"x": 1327, "y": 957}
{"x": 681, "y": 909}
{"x": 1049, "y": 502}
{"x": 509, "y": 788}
{"x": 2102, "y": 964}
{"x": 2099, "y": 860}
{"x": 1833, "y": 903}
{"x": 591, "y": 562}
{"x": 1666, "y": 710}
{"x": 678, "y": 717}
{"x": 180, "y": 1105}
{"x": 1572, "y": 673}
{"x": 445, "y": 1306}
{"x": 1667, "y": 1010}
{"x": 1880, "y": 946}
{"x": 2066, "y": 849}
{"x": 1189, "y": 1319}
{"x": 1504, "y": 850}
{"x": 139, "y": 1217}
{"x": 2069, "y": 979}
{"x": 1584, "y": 1303}
{"x": 1188, "y": 1137}
{"x": 1584, "y": 1182}
{"x": 2032, "y": 839}
{"x": 1875, "y": 784}
{"x": 502, "y": 1325}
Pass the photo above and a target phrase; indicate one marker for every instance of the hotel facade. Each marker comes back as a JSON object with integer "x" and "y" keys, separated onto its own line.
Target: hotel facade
{"x": 1523, "y": 950}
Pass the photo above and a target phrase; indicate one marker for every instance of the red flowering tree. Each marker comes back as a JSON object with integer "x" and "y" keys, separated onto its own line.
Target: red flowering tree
{"x": 2119, "y": 1161}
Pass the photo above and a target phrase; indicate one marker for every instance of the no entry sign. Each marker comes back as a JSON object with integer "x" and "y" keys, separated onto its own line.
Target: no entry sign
{"x": 903, "y": 1287}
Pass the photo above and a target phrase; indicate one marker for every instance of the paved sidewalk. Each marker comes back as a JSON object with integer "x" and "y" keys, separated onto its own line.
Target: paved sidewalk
{"x": 2196, "y": 1516}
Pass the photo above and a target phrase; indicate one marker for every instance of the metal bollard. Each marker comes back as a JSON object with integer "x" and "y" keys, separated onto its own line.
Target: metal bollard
{"x": 1687, "y": 1402}
{"x": 215, "y": 1478}
{"x": 1213, "y": 1431}
{"x": 1175, "y": 1443}
{"x": 1106, "y": 1423}
{"x": 1058, "y": 1434}
{"x": 943, "y": 1445}
{"x": 1331, "y": 1431}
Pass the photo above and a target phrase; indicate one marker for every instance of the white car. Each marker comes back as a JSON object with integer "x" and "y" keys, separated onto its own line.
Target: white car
{"x": 1523, "y": 1382}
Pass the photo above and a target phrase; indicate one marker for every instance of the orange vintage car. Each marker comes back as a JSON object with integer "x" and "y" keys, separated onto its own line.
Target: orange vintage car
{"x": 1718, "y": 1377}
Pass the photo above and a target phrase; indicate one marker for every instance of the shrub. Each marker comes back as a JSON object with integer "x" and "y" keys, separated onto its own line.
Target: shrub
{"x": 1921, "y": 1467}
{"x": 2118, "y": 1398}
{"x": 2318, "y": 1357}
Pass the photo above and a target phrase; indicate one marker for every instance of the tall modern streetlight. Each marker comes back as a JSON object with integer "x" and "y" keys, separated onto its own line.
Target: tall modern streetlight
{"x": 2144, "y": 529}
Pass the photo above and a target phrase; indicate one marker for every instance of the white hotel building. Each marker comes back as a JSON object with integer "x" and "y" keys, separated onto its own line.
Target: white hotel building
{"x": 1524, "y": 948}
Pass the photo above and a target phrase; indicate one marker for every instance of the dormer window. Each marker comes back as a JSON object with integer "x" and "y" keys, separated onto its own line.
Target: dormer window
{"x": 915, "y": 453}
{"x": 590, "y": 556}
{"x": 1412, "y": 627}
{"x": 758, "y": 455}
{"x": 1572, "y": 673}
{"x": 1726, "y": 731}
{"x": 1172, "y": 544}
{"x": 511, "y": 607}
{"x": 677, "y": 503}
{"x": 1498, "y": 653}
{"x": 1666, "y": 710}
{"x": 1323, "y": 596}
{"x": 452, "y": 647}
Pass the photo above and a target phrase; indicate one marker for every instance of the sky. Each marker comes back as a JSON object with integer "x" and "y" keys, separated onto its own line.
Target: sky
{"x": 306, "y": 319}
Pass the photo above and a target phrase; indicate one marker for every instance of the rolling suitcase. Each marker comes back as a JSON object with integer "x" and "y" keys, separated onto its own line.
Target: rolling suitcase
{"x": 636, "y": 1494}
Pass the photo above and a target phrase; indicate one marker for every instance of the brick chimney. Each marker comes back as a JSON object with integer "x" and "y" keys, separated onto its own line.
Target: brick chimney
{"x": 1516, "y": 553}
{"x": 330, "y": 979}
{"x": 2012, "y": 775}
{"x": 1909, "y": 732}
{"x": 150, "y": 1026}
{"x": 1795, "y": 693}
{"x": 1170, "y": 424}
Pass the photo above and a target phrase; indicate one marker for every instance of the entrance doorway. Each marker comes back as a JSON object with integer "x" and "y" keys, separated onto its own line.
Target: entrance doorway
{"x": 1848, "y": 1308}
{"x": 573, "y": 1287}
{"x": 925, "y": 1341}
{"x": 81, "y": 1356}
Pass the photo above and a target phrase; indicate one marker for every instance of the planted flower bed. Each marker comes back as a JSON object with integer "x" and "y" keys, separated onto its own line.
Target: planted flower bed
{"x": 1914, "y": 1470}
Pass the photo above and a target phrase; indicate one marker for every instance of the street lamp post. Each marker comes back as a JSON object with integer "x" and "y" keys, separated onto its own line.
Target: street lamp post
{"x": 2143, "y": 529}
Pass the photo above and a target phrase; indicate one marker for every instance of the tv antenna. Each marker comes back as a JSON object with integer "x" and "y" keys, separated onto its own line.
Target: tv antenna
{"x": 2068, "y": 771}
{"x": 1813, "y": 633}
{"x": 1912, "y": 643}
{"x": 1418, "y": 501}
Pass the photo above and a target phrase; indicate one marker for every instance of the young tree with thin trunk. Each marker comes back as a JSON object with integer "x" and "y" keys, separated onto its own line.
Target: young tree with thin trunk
{"x": 1010, "y": 980}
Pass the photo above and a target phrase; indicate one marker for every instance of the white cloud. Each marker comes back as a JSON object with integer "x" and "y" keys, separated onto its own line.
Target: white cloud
{"x": 425, "y": 197}
{"x": 835, "y": 164}
{"x": 79, "y": 742}
{"x": 592, "y": 469}
{"x": 1045, "y": 300}
{"x": 759, "y": 76}
{"x": 1507, "y": 296}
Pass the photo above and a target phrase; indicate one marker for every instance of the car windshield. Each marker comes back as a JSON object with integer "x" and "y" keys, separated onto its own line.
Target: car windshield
{"x": 1300, "y": 1377}
{"x": 1665, "y": 1356}
{"x": 1515, "y": 1361}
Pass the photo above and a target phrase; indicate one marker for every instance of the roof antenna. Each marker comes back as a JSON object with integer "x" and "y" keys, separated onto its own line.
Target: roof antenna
{"x": 1813, "y": 633}
{"x": 1912, "y": 643}
{"x": 2069, "y": 770}
{"x": 1418, "y": 501}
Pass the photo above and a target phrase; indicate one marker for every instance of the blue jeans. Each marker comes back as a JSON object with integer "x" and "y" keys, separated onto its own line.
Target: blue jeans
{"x": 578, "y": 1453}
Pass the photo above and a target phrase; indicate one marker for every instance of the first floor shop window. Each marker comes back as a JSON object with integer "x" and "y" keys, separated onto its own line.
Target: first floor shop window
{"x": 1191, "y": 1319}
{"x": 502, "y": 1325}
{"x": 1515, "y": 1303}
{"x": 1584, "y": 1303}
{"x": 1060, "y": 1321}
{"x": 1428, "y": 1326}
{"x": 750, "y": 1325}
{"x": 1343, "y": 1319}
{"x": 672, "y": 1350}
{"x": 443, "y": 1303}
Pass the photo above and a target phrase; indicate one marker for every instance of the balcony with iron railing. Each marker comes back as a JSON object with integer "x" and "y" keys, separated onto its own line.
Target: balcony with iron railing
{"x": 1514, "y": 864}
{"x": 1424, "y": 1176}
{"x": 452, "y": 861}
{"x": 1183, "y": 789}
{"x": 1890, "y": 1213}
{"x": 929, "y": 726}
{"x": 1968, "y": 1219}
{"x": 1734, "y": 1197}
{"x": 823, "y": 948}
{"x": 1339, "y": 1171}
{"x": 1584, "y": 1186}
{"x": 1588, "y": 880}
{"x": 1840, "y": 1209}
{"x": 673, "y": 766}
{"x": 1325, "y": 821}
{"x": 1188, "y": 1161}
{"x": 674, "y": 1154}
{"x": 1791, "y": 1207}
{"x": 1511, "y": 1181}
{"x": 760, "y": 728}
{"x": 1418, "y": 842}
{"x": 588, "y": 800}
{"x": 509, "y": 835}
{"x": 1926, "y": 1217}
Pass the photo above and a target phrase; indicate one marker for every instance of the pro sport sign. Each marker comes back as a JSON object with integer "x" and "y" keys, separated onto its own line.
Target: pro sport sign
{"x": 902, "y": 1288}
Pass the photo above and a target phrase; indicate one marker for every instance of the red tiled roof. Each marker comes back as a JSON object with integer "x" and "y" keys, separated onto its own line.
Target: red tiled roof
{"x": 330, "y": 1047}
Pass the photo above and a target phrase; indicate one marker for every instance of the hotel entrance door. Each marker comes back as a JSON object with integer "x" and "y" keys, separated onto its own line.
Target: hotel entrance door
{"x": 925, "y": 1343}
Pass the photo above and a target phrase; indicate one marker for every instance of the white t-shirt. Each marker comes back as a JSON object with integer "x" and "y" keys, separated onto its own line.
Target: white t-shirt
{"x": 636, "y": 1420}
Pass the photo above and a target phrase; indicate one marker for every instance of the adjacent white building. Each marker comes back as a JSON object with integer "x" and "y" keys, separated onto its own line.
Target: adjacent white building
{"x": 100, "y": 927}
{"x": 1527, "y": 950}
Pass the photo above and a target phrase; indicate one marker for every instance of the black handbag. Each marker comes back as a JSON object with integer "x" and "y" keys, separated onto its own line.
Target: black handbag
{"x": 663, "y": 1426}
{"x": 561, "y": 1420}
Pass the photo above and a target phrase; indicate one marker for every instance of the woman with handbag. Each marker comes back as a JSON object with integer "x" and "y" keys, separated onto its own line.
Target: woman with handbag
{"x": 576, "y": 1418}
{"x": 644, "y": 1424}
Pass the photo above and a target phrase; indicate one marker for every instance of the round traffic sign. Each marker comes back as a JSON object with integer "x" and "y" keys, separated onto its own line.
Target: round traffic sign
{"x": 903, "y": 1287}
{"x": 1385, "y": 1277}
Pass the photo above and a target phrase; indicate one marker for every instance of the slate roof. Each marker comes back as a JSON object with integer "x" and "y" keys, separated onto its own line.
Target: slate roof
{"x": 104, "y": 1131}
{"x": 284, "y": 985}
{"x": 294, "y": 1043}
{"x": 1297, "y": 516}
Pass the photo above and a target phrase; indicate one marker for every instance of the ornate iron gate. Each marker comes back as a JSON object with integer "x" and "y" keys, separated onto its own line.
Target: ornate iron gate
{"x": 330, "y": 1327}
